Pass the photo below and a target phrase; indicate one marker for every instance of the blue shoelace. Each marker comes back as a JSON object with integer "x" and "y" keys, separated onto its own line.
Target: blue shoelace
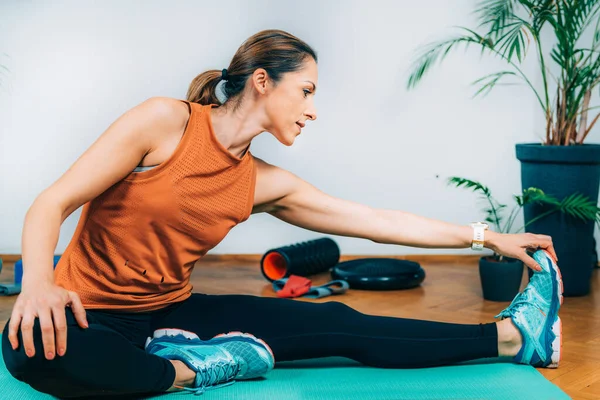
{"x": 213, "y": 373}
{"x": 522, "y": 298}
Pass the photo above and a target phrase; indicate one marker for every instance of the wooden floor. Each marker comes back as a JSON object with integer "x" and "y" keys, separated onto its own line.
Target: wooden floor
{"x": 451, "y": 293}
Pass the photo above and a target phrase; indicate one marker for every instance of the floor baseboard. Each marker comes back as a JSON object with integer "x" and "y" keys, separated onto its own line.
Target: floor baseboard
{"x": 429, "y": 258}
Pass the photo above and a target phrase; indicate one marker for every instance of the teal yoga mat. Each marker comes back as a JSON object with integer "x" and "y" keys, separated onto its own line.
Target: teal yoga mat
{"x": 342, "y": 379}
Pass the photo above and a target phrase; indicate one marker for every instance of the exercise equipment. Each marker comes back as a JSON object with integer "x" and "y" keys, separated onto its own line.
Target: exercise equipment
{"x": 315, "y": 256}
{"x": 301, "y": 259}
{"x": 379, "y": 273}
{"x": 299, "y": 286}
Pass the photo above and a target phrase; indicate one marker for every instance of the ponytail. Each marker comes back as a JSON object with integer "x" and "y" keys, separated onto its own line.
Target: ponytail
{"x": 203, "y": 89}
{"x": 276, "y": 51}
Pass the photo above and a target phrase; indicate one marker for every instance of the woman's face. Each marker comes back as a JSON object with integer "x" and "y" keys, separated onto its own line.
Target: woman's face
{"x": 291, "y": 103}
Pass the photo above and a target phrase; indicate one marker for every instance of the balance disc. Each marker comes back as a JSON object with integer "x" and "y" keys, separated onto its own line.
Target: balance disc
{"x": 379, "y": 273}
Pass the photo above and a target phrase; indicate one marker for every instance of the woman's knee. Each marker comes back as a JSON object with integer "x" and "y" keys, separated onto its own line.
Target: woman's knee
{"x": 16, "y": 361}
{"x": 38, "y": 372}
{"x": 19, "y": 364}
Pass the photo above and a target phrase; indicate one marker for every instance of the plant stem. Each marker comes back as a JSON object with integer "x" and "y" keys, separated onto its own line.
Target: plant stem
{"x": 583, "y": 117}
{"x": 511, "y": 219}
{"x": 528, "y": 82}
{"x": 538, "y": 217}
{"x": 494, "y": 211}
{"x": 543, "y": 67}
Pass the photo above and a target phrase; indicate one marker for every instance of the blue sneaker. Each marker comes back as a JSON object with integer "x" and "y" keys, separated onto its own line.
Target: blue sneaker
{"x": 251, "y": 356}
{"x": 214, "y": 366}
{"x": 535, "y": 313}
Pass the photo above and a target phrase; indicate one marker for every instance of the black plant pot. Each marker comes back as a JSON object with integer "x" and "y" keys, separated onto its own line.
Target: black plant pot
{"x": 500, "y": 280}
{"x": 561, "y": 171}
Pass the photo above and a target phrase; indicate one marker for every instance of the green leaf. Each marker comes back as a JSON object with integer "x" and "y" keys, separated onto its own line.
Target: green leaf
{"x": 519, "y": 200}
{"x": 493, "y": 215}
{"x": 492, "y": 81}
{"x": 597, "y": 31}
{"x": 469, "y": 184}
{"x": 495, "y": 13}
{"x": 437, "y": 51}
{"x": 581, "y": 207}
{"x": 533, "y": 195}
{"x": 542, "y": 13}
{"x": 513, "y": 42}
{"x": 492, "y": 212}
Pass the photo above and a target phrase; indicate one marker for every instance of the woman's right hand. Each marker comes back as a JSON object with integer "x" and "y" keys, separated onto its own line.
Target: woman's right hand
{"x": 47, "y": 302}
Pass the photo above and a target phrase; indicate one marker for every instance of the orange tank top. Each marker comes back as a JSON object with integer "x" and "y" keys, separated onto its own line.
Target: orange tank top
{"x": 136, "y": 244}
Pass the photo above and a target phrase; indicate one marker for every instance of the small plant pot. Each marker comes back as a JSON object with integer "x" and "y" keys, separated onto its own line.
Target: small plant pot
{"x": 500, "y": 280}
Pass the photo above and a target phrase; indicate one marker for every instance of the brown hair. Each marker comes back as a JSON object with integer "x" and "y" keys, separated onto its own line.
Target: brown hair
{"x": 276, "y": 51}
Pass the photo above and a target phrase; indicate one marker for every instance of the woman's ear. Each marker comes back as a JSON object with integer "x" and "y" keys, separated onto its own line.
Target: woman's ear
{"x": 260, "y": 80}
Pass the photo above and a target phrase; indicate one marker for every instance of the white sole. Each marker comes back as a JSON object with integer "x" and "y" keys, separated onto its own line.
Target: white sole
{"x": 556, "y": 344}
{"x": 170, "y": 332}
{"x": 174, "y": 332}
{"x": 557, "y": 326}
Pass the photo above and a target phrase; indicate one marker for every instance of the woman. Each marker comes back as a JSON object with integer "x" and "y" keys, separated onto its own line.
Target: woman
{"x": 162, "y": 186}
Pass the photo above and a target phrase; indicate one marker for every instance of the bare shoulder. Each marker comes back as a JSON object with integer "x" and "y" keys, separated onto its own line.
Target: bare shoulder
{"x": 165, "y": 120}
{"x": 272, "y": 185}
{"x": 148, "y": 130}
{"x": 168, "y": 107}
{"x": 164, "y": 114}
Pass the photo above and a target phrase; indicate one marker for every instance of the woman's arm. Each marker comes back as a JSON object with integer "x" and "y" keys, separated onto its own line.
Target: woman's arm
{"x": 289, "y": 198}
{"x": 112, "y": 157}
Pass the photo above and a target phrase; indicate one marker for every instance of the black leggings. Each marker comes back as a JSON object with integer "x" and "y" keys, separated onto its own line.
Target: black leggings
{"x": 108, "y": 358}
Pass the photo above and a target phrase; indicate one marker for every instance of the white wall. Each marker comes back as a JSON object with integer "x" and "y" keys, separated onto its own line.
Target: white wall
{"x": 77, "y": 65}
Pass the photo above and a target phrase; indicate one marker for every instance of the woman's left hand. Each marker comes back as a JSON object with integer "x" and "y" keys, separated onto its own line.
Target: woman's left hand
{"x": 517, "y": 245}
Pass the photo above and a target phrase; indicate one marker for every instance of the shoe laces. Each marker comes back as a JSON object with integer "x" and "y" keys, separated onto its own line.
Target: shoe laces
{"x": 522, "y": 298}
{"x": 213, "y": 373}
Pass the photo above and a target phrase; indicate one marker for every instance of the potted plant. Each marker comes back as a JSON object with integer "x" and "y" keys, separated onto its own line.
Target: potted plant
{"x": 501, "y": 276}
{"x": 561, "y": 164}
